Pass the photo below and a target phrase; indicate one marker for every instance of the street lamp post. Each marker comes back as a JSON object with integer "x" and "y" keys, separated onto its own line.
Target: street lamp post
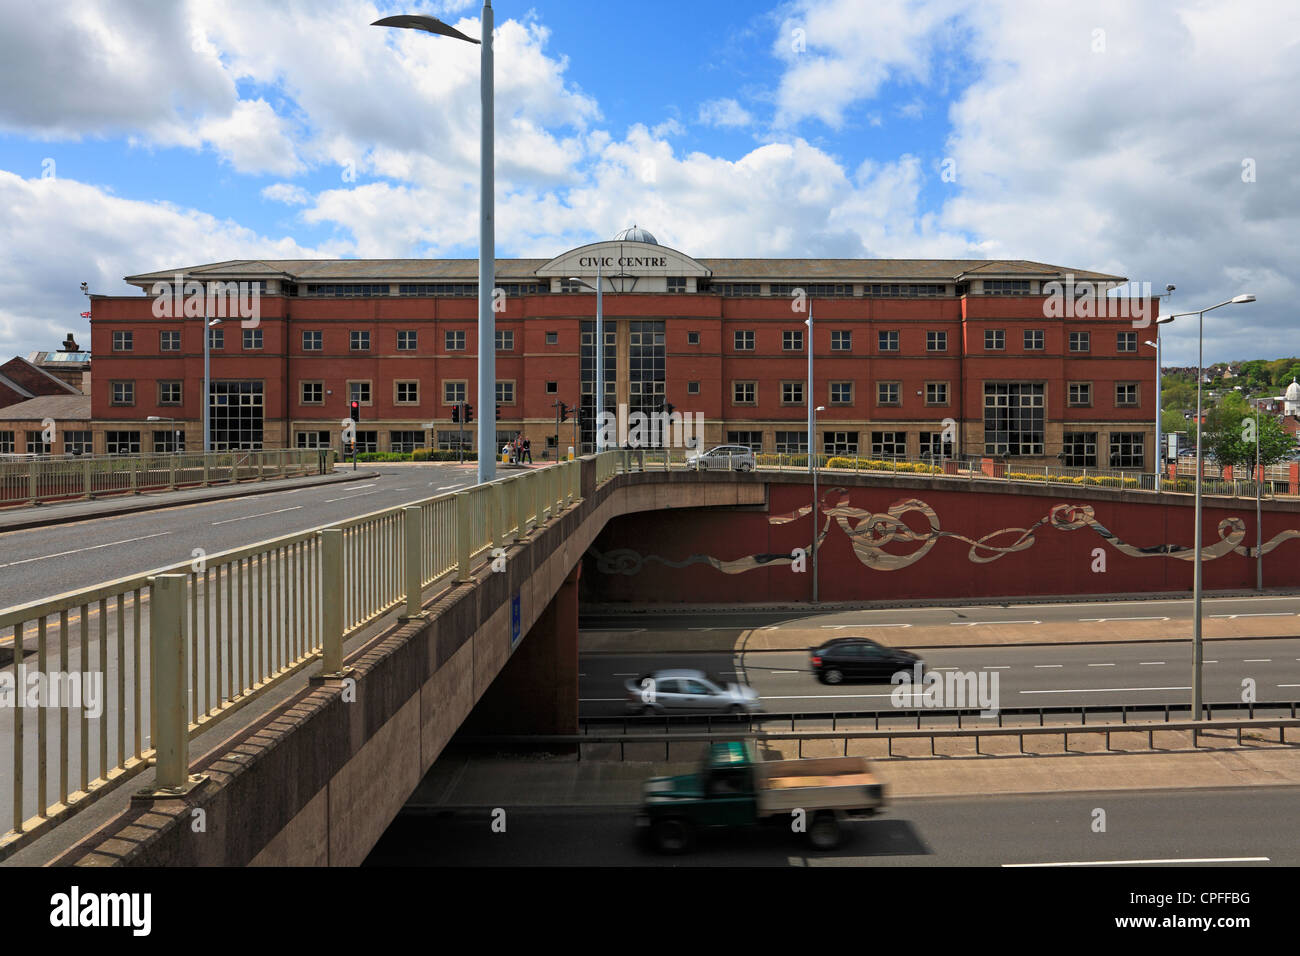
{"x": 487, "y": 236}
{"x": 600, "y": 355}
{"x": 812, "y": 415}
{"x": 208, "y": 326}
{"x": 1259, "y": 507}
{"x": 820, "y": 408}
{"x": 1197, "y": 648}
{"x": 1160, "y": 454}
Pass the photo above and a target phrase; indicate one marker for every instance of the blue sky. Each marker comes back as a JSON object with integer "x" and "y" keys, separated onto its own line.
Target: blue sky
{"x": 198, "y": 131}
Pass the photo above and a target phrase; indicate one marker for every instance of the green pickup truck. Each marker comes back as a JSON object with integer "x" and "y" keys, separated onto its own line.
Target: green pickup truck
{"x": 736, "y": 787}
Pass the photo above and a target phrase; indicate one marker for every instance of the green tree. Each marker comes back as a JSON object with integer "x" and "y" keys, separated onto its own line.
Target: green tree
{"x": 1230, "y": 434}
{"x": 1177, "y": 395}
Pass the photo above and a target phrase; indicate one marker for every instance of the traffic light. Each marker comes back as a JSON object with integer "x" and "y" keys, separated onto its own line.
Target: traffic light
{"x": 498, "y": 412}
{"x": 354, "y": 410}
{"x": 564, "y": 412}
{"x": 469, "y": 412}
{"x": 455, "y": 413}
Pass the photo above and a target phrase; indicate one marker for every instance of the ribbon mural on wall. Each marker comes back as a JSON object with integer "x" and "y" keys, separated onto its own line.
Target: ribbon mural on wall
{"x": 870, "y": 533}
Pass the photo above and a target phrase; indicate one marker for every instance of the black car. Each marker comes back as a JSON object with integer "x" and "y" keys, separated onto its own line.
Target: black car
{"x": 857, "y": 658}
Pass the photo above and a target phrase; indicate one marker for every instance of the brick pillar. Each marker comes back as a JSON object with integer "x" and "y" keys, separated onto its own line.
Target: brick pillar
{"x": 537, "y": 690}
{"x": 1294, "y": 478}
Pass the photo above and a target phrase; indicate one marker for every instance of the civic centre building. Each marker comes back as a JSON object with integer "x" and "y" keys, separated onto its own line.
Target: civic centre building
{"x": 902, "y": 346}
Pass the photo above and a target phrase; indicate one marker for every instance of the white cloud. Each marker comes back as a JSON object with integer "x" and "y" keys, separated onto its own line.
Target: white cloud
{"x": 724, "y": 112}
{"x": 286, "y": 193}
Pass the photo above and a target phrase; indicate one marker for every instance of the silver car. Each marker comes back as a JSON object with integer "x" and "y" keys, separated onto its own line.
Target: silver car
{"x": 723, "y": 458}
{"x": 684, "y": 691}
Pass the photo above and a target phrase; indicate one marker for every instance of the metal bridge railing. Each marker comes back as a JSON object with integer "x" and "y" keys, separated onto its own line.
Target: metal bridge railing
{"x": 34, "y": 480}
{"x": 142, "y": 664}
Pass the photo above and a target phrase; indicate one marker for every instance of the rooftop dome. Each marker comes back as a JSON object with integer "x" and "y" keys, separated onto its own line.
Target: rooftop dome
{"x": 1293, "y": 391}
{"x": 636, "y": 234}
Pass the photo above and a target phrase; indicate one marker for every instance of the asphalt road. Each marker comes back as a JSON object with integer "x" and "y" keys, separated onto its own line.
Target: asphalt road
{"x": 1033, "y": 617}
{"x": 42, "y": 562}
{"x": 1251, "y": 826}
{"x": 1027, "y": 676}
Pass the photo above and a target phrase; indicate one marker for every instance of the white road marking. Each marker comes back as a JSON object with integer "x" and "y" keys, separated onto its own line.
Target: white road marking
{"x": 1260, "y": 614}
{"x": 1098, "y": 690}
{"x": 1098, "y": 620}
{"x": 1192, "y": 859}
{"x": 262, "y": 515}
{"x": 787, "y": 672}
{"x": 1145, "y": 663}
{"x": 445, "y": 487}
{"x": 1101, "y": 665}
{"x": 93, "y": 547}
{"x": 1049, "y": 665}
{"x": 359, "y": 487}
{"x": 1258, "y": 660}
{"x": 1288, "y": 685}
{"x": 997, "y": 667}
{"x": 350, "y": 497}
{"x": 978, "y": 623}
{"x": 617, "y": 673}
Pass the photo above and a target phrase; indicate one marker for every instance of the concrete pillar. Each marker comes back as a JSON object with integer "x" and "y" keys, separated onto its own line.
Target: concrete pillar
{"x": 537, "y": 690}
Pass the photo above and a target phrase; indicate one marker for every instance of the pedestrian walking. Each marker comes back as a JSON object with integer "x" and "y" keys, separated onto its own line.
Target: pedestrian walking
{"x": 528, "y": 450}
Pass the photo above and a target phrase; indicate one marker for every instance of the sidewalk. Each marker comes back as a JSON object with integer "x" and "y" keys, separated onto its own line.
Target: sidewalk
{"x": 38, "y": 516}
{"x": 458, "y": 782}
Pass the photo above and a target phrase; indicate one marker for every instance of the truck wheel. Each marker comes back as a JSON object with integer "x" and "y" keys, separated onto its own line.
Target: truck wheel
{"x": 832, "y": 676}
{"x": 672, "y": 835}
{"x": 825, "y": 832}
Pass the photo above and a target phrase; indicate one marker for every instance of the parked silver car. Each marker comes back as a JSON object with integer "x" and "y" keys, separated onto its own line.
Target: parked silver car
{"x": 683, "y": 691}
{"x": 723, "y": 458}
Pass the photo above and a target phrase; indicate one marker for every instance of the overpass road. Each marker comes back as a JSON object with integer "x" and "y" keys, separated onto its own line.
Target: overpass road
{"x": 1028, "y": 676}
{"x": 1250, "y": 827}
{"x": 42, "y": 562}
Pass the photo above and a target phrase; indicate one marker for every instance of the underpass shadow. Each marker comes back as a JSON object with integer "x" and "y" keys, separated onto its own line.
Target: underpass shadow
{"x": 755, "y": 846}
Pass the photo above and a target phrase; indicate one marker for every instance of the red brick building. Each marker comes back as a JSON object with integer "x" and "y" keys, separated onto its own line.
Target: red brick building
{"x": 901, "y": 346}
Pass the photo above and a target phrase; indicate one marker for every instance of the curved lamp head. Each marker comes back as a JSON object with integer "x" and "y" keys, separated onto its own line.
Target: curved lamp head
{"x": 1243, "y": 298}
{"x": 427, "y": 24}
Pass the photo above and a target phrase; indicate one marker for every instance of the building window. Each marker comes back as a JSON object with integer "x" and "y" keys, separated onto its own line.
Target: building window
{"x": 1080, "y": 341}
{"x": 1126, "y": 394}
{"x": 403, "y": 442}
{"x": 752, "y": 440}
{"x": 841, "y": 340}
{"x": 359, "y": 392}
{"x": 505, "y": 393}
{"x": 902, "y": 289}
{"x": 36, "y": 444}
{"x": 887, "y": 341}
{"x": 312, "y": 341}
{"x": 312, "y": 439}
{"x": 347, "y": 290}
{"x": 792, "y": 443}
{"x": 451, "y": 441}
{"x": 6, "y": 443}
{"x": 888, "y": 393}
{"x": 840, "y": 443}
{"x": 406, "y": 340}
{"x": 743, "y": 340}
{"x": 252, "y": 339}
{"x": 169, "y": 341}
{"x": 453, "y": 393}
{"x": 889, "y": 444}
{"x": 505, "y": 340}
{"x": 359, "y": 341}
{"x": 841, "y": 393}
{"x": 408, "y": 393}
{"x": 1006, "y": 287}
{"x": 123, "y": 393}
{"x": 216, "y": 338}
{"x": 1080, "y": 393}
{"x": 454, "y": 340}
{"x": 1079, "y": 449}
{"x": 792, "y": 340}
{"x": 1126, "y": 341}
{"x": 367, "y": 441}
{"x": 168, "y": 442}
{"x": 739, "y": 288}
{"x": 552, "y": 388}
{"x": 313, "y": 393}
{"x": 83, "y": 442}
{"x": 122, "y": 443}
{"x": 936, "y": 341}
{"x": 792, "y": 393}
{"x": 123, "y": 341}
{"x": 692, "y": 338}
{"x": 676, "y": 283}
{"x": 1127, "y": 450}
{"x": 744, "y": 393}
{"x": 936, "y": 393}
{"x": 237, "y": 413}
{"x": 1034, "y": 340}
{"x": 169, "y": 393}
{"x": 692, "y": 388}
{"x": 1014, "y": 418}
{"x": 933, "y": 446}
{"x": 552, "y": 338}
{"x": 995, "y": 340}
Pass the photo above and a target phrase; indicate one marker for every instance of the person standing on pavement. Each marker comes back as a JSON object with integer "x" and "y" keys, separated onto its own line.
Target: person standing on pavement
{"x": 528, "y": 451}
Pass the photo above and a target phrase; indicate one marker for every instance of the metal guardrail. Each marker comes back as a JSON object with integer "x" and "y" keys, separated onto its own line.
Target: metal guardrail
{"x": 1065, "y": 731}
{"x": 222, "y": 629}
{"x": 729, "y": 723}
{"x": 47, "y": 479}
